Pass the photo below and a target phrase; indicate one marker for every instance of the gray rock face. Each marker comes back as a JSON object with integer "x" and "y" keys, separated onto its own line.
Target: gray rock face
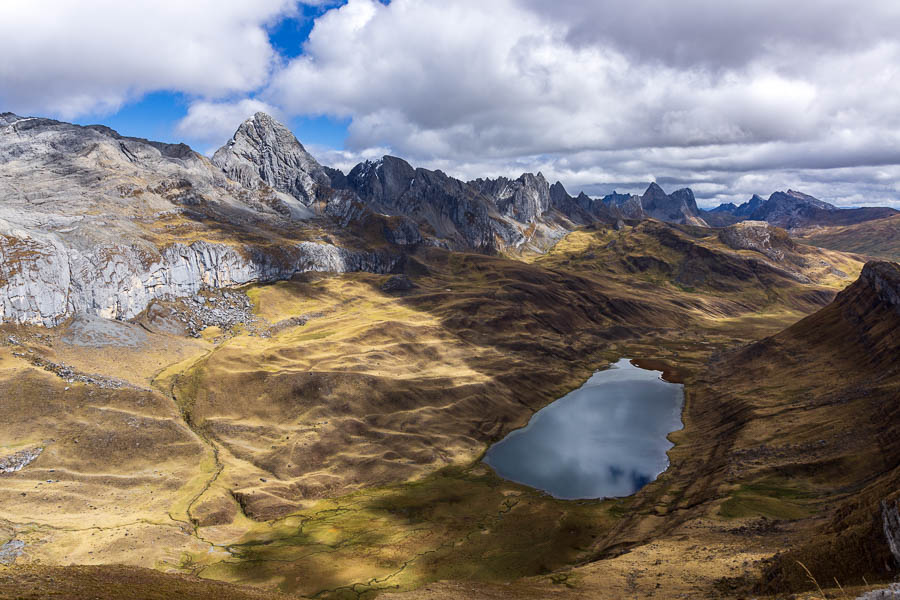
{"x": 891, "y": 592}
{"x": 118, "y": 281}
{"x": 19, "y": 460}
{"x": 770, "y": 241}
{"x": 578, "y": 210}
{"x": 890, "y": 517}
{"x": 749, "y": 207}
{"x": 884, "y": 278}
{"x": 263, "y": 151}
{"x": 583, "y": 209}
{"x": 524, "y": 200}
{"x": 625, "y": 206}
{"x": 10, "y": 551}
{"x": 787, "y": 209}
{"x": 450, "y": 212}
{"x": 93, "y": 222}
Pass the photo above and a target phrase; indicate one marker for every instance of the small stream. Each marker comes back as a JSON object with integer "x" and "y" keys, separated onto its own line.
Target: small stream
{"x": 605, "y": 439}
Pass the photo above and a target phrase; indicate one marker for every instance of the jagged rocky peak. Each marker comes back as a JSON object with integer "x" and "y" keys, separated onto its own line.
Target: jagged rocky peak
{"x": 770, "y": 241}
{"x": 726, "y": 207}
{"x": 686, "y": 197}
{"x": 524, "y": 199}
{"x": 678, "y": 207}
{"x": 382, "y": 181}
{"x": 789, "y": 209}
{"x": 747, "y": 208}
{"x": 654, "y": 192}
{"x": 453, "y": 213}
{"x": 558, "y": 193}
{"x": 263, "y": 150}
{"x": 579, "y": 210}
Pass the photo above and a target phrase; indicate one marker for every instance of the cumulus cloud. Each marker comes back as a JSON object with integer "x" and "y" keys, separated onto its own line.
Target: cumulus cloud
{"x": 606, "y": 92}
{"x": 732, "y": 98}
{"x": 215, "y": 122}
{"x": 72, "y": 58}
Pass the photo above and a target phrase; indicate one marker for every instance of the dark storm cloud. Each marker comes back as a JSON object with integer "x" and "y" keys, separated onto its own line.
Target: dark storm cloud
{"x": 709, "y": 34}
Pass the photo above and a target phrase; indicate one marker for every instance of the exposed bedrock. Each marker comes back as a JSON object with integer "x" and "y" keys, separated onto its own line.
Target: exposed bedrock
{"x": 43, "y": 282}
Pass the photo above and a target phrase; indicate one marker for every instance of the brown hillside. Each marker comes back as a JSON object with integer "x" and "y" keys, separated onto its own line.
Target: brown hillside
{"x": 880, "y": 238}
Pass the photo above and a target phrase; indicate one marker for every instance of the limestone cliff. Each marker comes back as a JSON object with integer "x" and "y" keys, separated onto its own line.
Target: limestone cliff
{"x": 94, "y": 222}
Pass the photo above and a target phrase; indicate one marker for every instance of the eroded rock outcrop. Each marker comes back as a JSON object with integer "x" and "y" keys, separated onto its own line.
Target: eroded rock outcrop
{"x": 524, "y": 199}
{"x": 890, "y": 517}
{"x": 884, "y": 278}
{"x": 118, "y": 282}
{"x": 770, "y": 241}
{"x": 19, "y": 460}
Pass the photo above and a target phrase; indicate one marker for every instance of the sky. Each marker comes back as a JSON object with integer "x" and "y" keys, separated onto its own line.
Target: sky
{"x": 729, "y": 98}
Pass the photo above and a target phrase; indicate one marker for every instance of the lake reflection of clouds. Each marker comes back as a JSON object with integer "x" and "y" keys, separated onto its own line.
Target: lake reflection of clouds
{"x": 607, "y": 438}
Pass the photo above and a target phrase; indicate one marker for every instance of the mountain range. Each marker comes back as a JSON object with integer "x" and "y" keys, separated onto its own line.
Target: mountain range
{"x": 155, "y": 219}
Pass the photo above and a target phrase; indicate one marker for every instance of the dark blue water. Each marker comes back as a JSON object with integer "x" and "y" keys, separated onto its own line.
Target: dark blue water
{"x": 605, "y": 439}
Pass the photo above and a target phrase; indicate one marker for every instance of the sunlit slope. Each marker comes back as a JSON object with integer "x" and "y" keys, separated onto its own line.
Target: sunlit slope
{"x": 362, "y": 386}
{"x": 332, "y": 444}
{"x": 880, "y": 238}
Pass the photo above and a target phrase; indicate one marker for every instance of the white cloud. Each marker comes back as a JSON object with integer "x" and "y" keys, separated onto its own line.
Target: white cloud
{"x": 71, "y": 58}
{"x": 607, "y": 92}
{"x": 733, "y": 98}
{"x": 215, "y": 122}
{"x": 494, "y": 79}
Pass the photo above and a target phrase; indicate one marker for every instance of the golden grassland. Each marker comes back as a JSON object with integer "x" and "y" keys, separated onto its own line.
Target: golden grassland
{"x": 339, "y": 457}
{"x": 879, "y": 238}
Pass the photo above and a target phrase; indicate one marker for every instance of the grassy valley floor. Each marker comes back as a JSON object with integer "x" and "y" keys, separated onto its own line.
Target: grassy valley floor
{"x": 332, "y": 450}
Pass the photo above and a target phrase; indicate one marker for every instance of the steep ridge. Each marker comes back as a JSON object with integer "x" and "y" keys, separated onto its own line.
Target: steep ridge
{"x": 800, "y": 428}
{"x": 583, "y": 210}
{"x": 854, "y": 344}
{"x": 483, "y": 215}
{"x": 788, "y": 454}
{"x": 525, "y": 199}
{"x": 446, "y": 209}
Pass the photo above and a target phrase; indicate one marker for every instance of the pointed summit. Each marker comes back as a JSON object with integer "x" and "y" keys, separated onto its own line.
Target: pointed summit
{"x": 263, "y": 150}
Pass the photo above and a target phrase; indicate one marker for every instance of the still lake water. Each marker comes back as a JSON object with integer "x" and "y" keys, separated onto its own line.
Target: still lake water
{"x": 605, "y": 439}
